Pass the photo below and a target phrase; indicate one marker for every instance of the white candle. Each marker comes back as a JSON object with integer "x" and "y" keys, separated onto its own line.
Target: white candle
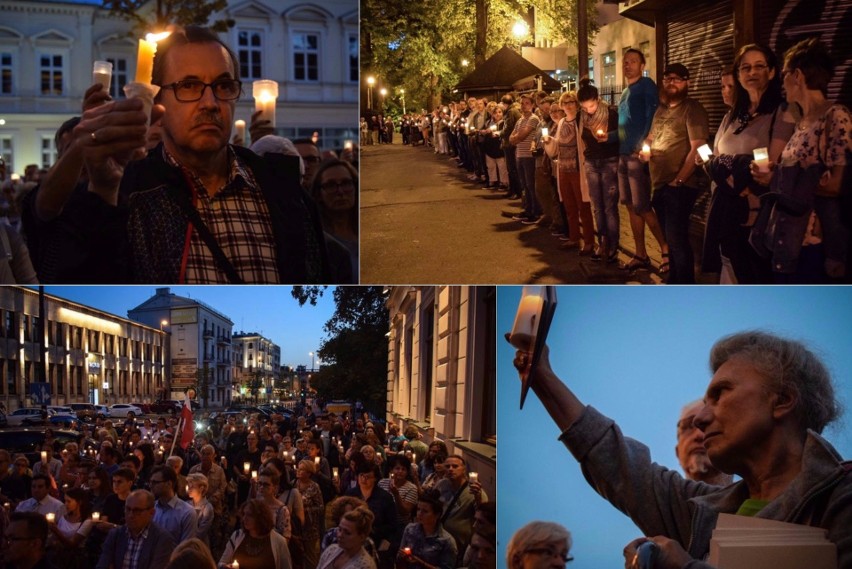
{"x": 646, "y": 151}
{"x": 316, "y": 460}
{"x": 761, "y": 158}
{"x": 599, "y": 132}
{"x": 544, "y": 131}
{"x": 526, "y": 321}
{"x": 347, "y": 145}
{"x": 493, "y": 128}
{"x": 246, "y": 467}
{"x": 240, "y": 127}
{"x": 265, "y": 95}
{"x": 7, "y": 505}
{"x": 96, "y": 516}
{"x": 235, "y": 564}
{"x": 51, "y": 517}
{"x": 473, "y": 476}
{"x": 102, "y": 73}
{"x": 44, "y": 457}
{"x": 705, "y": 152}
{"x": 254, "y": 474}
{"x": 334, "y": 471}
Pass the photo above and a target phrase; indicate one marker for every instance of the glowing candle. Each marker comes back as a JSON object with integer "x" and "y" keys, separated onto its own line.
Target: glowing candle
{"x": 51, "y": 517}
{"x": 599, "y": 132}
{"x": 316, "y": 460}
{"x": 96, "y": 516}
{"x": 473, "y": 476}
{"x": 254, "y": 474}
{"x": 705, "y": 152}
{"x": 102, "y": 74}
{"x": 240, "y": 127}
{"x": 646, "y": 151}
{"x": 347, "y": 145}
{"x": 526, "y": 319}
{"x": 334, "y": 471}
{"x": 406, "y": 550}
{"x": 761, "y": 158}
{"x": 493, "y": 128}
{"x": 544, "y": 131}
{"x": 44, "y": 457}
{"x": 235, "y": 564}
{"x": 246, "y": 467}
{"x": 265, "y": 95}
{"x": 145, "y": 57}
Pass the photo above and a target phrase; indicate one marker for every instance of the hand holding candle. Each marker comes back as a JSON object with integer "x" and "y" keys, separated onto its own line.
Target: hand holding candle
{"x": 51, "y": 517}
{"x": 645, "y": 153}
{"x": 96, "y": 516}
{"x": 761, "y": 158}
{"x": 705, "y": 152}
{"x": 526, "y": 321}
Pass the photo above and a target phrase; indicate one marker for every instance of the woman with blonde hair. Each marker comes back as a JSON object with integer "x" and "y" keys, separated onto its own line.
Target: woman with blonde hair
{"x": 197, "y": 489}
{"x": 349, "y": 553}
{"x": 534, "y": 542}
{"x": 192, "y": 553}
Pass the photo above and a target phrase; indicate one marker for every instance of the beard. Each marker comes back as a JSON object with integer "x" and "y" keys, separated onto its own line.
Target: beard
{"x": 674, "y": 97}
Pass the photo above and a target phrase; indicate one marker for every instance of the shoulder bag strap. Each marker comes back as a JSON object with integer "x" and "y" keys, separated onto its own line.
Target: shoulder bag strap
{"x": 453, "y": 502}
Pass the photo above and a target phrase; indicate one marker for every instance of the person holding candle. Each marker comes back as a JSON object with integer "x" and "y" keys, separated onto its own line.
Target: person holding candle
{"x": 349, "y": 551}
{"x": 25, "y": 538}
{"x": 139, "y": 542}
{"x": 757, "y": 119}
{"x": 425, "y": 543}
{"x": 49, "y": 464}
{"x": 256, "y": 545}
{"x": 678, "y": 129}
{"x": 460, "y": 497}
{"x": 99, "y": 488}
{"x": 267, "y": 490}
{"x": 523, "y": 138}
{"x": 221, "y": 214}
{"x": 70, "y": 530}
{"x": 314, "y": 510}
{"x": 381, "y": 504}
{"x": 764, "y": 407}
{"x": 197, "y": 491}
{"x": 812, "y": 174}
{"x": 600, "y": 139}
{"x": 401, "y": 488}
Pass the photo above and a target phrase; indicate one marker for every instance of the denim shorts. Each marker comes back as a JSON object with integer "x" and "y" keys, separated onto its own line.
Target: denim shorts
{"x": 634, "y": 183}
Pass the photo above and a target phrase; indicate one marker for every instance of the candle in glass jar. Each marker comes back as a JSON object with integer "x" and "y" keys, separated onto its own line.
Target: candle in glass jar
{"x": 102, "y": 74}
{"x": 240, "y": 127}
{"x": 526, "y": 321}
{"x": 96, "y": 516}
{"x": 761, "y": 158}
{"x": 705, "y": 152}
{"x": 265, "y": 96}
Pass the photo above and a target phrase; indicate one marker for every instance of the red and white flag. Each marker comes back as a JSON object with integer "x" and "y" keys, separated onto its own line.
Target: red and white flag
{"x": 187, "y": 430}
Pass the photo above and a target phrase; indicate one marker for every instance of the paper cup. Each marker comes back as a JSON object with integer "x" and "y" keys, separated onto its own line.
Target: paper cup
{"x": 144, "y": 92}
{"x": 102, "y": 73}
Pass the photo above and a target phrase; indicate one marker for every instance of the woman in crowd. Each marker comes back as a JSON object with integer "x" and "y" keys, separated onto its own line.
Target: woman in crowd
{"x": 335, "y": 511}
{"x": 425, "y": 542}
{"x": 537, "y": 543}
{"x": 349, "y": 552}
{"x": 812, "y": 173}
{"x": 757, "y": 119}
{"x": 145, "y": 454}
{"x": 70, "y": 530}
{"x": 399, "y": 486}
{"x": 312, "y": 500}
{"x": 349, "y": 479}
{"x": 495, "y": 159}
{"x": 437, "y": 471}
{"x": 256, "y": 545}
{"x": 100, "y": 487}
{"x": 335, "y": 190}
{"x": 267, "y": 488}
{"x": 600, "y": 138}
{"x": 197, "y": 490}
{"x": 567, "y": 147}
{"x": 192, "y": 553}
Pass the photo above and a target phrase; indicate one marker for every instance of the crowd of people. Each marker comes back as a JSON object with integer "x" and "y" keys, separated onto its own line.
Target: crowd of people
{"x": 314, "y": 492}
{"x": 170, "y": 198}
{"x": 572, "y": 158}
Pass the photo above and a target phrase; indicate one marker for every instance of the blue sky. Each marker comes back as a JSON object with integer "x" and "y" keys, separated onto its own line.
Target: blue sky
{"x": 638, "y": 354}
{"x": 268, "y": 310}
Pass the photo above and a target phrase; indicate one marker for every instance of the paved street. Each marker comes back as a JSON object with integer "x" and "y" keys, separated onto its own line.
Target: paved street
{"x": 423, "y": 222}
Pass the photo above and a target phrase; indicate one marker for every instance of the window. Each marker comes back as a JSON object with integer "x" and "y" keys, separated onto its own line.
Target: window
{"x": 119, "y": 77}
{"x": 11, "y": 377}
{"x": 10, "y": 324}
{"x": 25, "y": 323}
{"x": 592, "y": 69}
{"x": 78, "y": 337}
{"x": 487, "y": 297}
{"x": 250, "y": 53}
{"x": 306, "y": 57}
{"x": 48, "y": 150}
{"x": 52, "y": 74}
{"x": 7, "y": 85}
{"x": 353, "y": 58}
{"x": 35, "y": 335}
{"x": 94, "y": 343}
{"x": 59, "y": 330}
{"x": 427, "y": 340}
{"x": 608, "y": 69}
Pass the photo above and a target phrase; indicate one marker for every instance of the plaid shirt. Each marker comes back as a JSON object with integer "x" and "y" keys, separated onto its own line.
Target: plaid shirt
{"x": 134, "y": 548}
{"x": 239, "y": 220}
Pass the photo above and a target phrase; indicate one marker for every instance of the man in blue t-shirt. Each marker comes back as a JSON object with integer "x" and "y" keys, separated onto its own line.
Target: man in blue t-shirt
{"x": 635, "y": 111}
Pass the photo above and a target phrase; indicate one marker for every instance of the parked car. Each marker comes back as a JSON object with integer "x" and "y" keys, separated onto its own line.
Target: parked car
{"x": 84, "y": 411}
{"x": 67, "y": 420}
{"x": 102, "y": 411}
{"x": 124, "y": 410}
{"x": 26, "y": 416}
{"x": 165, "y": 406}
{"x": 61, "y": 409}
{"x": 146, "y": 407}
{"x": 28, "y": 440}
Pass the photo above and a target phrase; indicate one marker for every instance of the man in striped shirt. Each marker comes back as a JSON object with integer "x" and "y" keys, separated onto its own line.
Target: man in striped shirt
{"x": 523, "y": 137}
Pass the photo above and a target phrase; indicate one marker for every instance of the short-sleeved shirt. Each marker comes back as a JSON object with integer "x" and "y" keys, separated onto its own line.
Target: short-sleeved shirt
{"x": 407, "y": 493}
{"x": 525, "y": 146}
{"x": 671, "y": 132}
{"x": 830, "y": 138}
{"x": 754, "y": 135}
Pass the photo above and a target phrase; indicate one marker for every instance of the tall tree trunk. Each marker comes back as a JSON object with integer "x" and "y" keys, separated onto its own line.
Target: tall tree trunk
{"x": 481, "y": 46}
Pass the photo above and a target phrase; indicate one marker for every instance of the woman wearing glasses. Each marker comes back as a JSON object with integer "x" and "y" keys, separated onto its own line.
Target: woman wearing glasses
{"x": 538, "y": 545}
{"x": 335, "y": 191}
{"x": 757, "y": 120}
{"x": 267, "y": 488}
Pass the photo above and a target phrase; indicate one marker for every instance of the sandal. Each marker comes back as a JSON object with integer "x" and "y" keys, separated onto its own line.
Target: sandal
{"x": 637, "y": 263}
{"x": 664, "y": 265}
{"x": 612, "y": 257}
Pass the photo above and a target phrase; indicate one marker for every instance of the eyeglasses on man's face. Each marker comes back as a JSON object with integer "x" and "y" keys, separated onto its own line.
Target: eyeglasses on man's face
{"x": 191, "y": 90}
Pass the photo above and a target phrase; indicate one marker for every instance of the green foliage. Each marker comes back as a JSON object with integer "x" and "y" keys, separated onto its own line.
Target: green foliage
{"x": 169, "y": 12}
{"x": 308, "y": 294}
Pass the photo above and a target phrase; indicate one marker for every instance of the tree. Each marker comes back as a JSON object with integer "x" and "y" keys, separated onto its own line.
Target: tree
{"x": 180, "y": 12}
{"x": 355, "y": 351}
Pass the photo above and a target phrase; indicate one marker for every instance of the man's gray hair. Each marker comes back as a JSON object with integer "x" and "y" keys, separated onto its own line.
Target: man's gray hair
{"x": 790, "y": 367}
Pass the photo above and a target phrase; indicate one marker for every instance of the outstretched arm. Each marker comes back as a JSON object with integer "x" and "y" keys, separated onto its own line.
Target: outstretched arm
{"x": 560, "y": 402}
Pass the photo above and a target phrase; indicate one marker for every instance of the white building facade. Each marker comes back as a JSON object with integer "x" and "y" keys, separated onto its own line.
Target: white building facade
{"x": 200, "y": 338}
{"x": 47, "y": 49}
{"x": 92, "y": 356}
{"x": 441, "y": 374}
{"x": 255, "y": 355}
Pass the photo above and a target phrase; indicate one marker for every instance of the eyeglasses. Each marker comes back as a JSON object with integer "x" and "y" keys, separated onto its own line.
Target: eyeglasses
{"x": 685, "y": 425}
{"x": 746, "y": 68}
{"x": 190, "y": 90}
{"x": 550, "y": 552}
{"x": 331, "y": 185}
{"x": 673, "y": 80}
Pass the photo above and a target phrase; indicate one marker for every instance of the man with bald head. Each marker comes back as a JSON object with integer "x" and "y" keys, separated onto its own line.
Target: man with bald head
{"x": 140, "y": 543}
{"x": 690, "y": 449}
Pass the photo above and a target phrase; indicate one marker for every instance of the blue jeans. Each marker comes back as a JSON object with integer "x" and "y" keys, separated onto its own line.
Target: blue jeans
{"x": 526, "y": 173}
{"x": 673, "y": 205}
{"x": 601, "y": 174}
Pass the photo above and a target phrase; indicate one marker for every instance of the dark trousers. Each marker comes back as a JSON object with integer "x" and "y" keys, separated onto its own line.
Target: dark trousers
{"x": 512, "y": 167}
{"x": 673, "y": 205}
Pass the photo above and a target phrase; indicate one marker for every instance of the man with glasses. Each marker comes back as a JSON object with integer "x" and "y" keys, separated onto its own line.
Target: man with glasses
{"x": 690, "y": 449}
{"x": 680, "y": 126}
{"x": 196, "y": 209}
{"x": 140, "y": 543}
{"x": 172, "y": 514}
{"x": 26, "y": 538}
{"x": 311, "y": 157}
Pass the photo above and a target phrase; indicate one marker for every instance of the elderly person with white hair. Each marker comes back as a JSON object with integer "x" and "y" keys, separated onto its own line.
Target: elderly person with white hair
{"x": 538, "y": 545}
{"x": 176, "y": 464}
{"x": 196, "y": 485}
{"x": 764, "y": 409}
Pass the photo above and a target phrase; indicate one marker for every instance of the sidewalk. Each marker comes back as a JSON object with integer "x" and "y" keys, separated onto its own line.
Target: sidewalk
{"x": 423, "y": 222}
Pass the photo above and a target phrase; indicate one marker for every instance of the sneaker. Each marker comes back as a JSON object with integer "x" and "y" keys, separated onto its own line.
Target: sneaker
{"x": 531, "y": 220}
{"x": 521, "y": 216}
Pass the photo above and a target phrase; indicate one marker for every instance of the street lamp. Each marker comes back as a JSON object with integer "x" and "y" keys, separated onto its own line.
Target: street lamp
{"x": 465, "y": 62}
{"x": 521, "y": 29}
{"x": 370, "y": 82}
{"x": 163, "y": 324}
{"x": 311, "y": 353}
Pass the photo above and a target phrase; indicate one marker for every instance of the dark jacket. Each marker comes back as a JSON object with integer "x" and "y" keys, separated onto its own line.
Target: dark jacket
{"x": 155, "y": 552}
{"x": 143, "y": 237}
